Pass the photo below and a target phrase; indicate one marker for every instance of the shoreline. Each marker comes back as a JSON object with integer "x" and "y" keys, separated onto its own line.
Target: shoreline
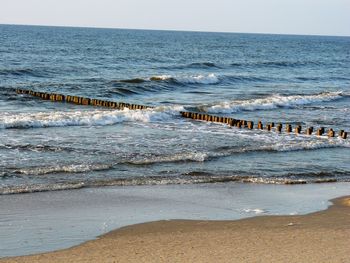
{"x": 321, "y": 236}
{"x": 51, "y": 221}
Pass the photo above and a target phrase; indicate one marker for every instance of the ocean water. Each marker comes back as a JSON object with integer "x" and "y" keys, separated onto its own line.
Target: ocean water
{"x": 46, "y": 146}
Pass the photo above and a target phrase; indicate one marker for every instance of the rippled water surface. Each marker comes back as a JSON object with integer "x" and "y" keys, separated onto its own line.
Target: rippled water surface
{"x": 274, "y": 78}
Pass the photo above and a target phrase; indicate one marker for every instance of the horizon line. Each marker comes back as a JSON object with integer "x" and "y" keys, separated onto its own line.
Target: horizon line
{"x": 173, "y": 30}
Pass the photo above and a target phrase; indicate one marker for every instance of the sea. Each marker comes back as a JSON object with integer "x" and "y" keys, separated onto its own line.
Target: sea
{"x": 288, "y": 79}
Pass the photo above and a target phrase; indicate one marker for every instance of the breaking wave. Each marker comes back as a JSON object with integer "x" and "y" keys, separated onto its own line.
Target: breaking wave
{"x": 180, "y": 79}
{"x": 177, "y": 157}
{"x": 193, "y": 156}
{"x": 291, "y": 146}
{"x": 72, "y": 168}
{"x": 85, "y": 118}
{"x": 189, "y": 178}
{"x": 271, "y": 102}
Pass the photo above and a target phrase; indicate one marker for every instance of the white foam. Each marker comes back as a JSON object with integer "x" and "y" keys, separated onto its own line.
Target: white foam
{"x": 85, "y": 118}
{"x": 190, "y": 79}
{"x": 72, "y": 168}
{"x": 161, "y": 77}
{"x": 255, "y": 211}
{"x": 200, "y": 79}
{"x": 315, "y": 143}
{"x": 186, "y": 156}
{"x": 272, "y": 102}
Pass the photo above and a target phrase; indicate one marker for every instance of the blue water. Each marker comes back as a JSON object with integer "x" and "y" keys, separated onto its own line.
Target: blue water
{"x": 274, "y": 78}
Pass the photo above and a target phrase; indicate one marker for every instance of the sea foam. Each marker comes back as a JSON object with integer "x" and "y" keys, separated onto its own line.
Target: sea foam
{"x": 205, "y": 79}
{"x": 271, "y": 102}
{"x": 85, "y": 118}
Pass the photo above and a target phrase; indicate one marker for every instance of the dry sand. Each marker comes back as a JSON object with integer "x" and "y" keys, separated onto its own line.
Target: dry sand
{"x": 318, "y": 237}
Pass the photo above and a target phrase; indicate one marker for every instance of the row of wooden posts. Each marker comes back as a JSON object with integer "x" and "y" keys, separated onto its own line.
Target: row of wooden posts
{"x": 82, "y": 100}
{"x": 269, "y": 127}
{"x": 185, "y": 114}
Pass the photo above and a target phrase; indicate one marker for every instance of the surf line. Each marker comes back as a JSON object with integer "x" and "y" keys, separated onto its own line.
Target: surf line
{"x": 185, "y": 114}
{"x": 82, "y": 100}
{"x": 260, "y": 126}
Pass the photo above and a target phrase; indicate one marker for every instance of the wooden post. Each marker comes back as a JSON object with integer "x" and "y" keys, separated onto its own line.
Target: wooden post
{"x": 288, "y": 128}
{"x": 320, "y": 131}
{"x": 309, "y": 130}
{"x": 345, "y": 135}
{"x": 330, "y": 133}
{"x": 279, "y": 127}
{"x": 250, "y": 125}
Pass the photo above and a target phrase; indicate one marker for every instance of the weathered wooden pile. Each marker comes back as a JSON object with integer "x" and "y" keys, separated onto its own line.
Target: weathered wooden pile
{"x": 82, "y": 100}
{"x": 185, "y": 114}
{"x": 269, "y": 126}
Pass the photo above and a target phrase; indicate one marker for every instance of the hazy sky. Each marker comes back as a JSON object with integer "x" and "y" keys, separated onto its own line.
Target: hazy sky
{"x": 320, "y": 17}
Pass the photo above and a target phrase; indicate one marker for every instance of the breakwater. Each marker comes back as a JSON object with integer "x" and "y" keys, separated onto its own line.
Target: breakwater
{"x": 55, "y": 97}
{"x": 271, "y": 126}
{"x": 248, "y": 124}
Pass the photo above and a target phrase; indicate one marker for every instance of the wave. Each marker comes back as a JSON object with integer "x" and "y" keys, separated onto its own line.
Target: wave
{"x": 23, "y": 72}
{"x": 191, "y": 79}
{"x": 293, "y": 64}
{"x": 276, "y": 64}
{"x": 252, "y": 64}
{"x": 85, "y": 118}
{"x": 309, "y": 145}
{"x": 168, "y": 81}
{"x": 189, "y": 178}
{"x": 71, "y": 168}
{"x": 179, "y": 79}
{"x": 203, "y": 65}
{"x": 194, "y": 65}
{"x": 126, "y": 91}
{"x": 246, "y": 78}
{"x": 194, "y": 156}
{"x": 136, "y": 80}
{"x": 271, "y": 102}
{"x": 35, "y": 148}
{"x": 177, "y": 157}
{"x": 326, "y": 78}
{"x": 285, "y": 146}
{"x": 128, "y": 160}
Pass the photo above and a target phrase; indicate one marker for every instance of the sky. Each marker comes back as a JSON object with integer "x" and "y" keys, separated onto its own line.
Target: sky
{"x": 307, "y": 17}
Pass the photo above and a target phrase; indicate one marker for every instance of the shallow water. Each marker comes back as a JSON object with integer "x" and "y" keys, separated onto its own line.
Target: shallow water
{"x": 33, "y": 223}
{"x": 274, "y": 78}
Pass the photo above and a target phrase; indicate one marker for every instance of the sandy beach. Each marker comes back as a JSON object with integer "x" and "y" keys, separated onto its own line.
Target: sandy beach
{"x": 317, "y": 237}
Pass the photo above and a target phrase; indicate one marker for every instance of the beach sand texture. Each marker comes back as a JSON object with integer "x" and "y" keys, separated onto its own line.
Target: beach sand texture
{"x": 317, "y": 237}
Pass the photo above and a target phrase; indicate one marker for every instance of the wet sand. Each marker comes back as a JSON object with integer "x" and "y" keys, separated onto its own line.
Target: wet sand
{"x": 317, "y": 237}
